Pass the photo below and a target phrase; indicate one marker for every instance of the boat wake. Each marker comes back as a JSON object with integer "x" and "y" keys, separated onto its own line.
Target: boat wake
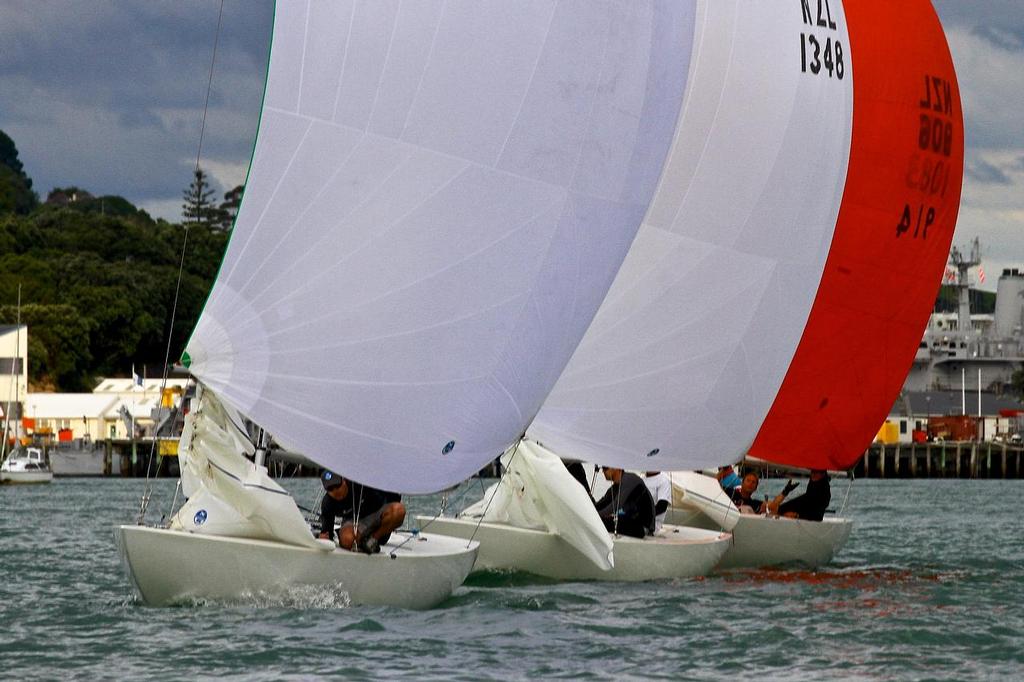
{"x": 323, "y": 597}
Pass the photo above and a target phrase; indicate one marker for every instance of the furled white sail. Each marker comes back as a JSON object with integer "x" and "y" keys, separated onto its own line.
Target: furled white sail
{"x": 688, "y": 351}
{"x": 227, "y": 494}
{"x": 440, "y": 195}
{"x": 538, "y": 492}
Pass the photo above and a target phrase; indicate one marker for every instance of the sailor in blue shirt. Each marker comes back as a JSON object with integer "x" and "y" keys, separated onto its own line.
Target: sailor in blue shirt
{"x": 727, "y": 478}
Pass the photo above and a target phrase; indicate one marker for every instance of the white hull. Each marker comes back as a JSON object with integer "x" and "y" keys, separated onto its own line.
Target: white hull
{"x": 768, "y": 541}
{"x": 25, "y": 466}
{"x": 168, "y": 566}
{"x": 16, "y": 477}
{"x": 675, "y": 553}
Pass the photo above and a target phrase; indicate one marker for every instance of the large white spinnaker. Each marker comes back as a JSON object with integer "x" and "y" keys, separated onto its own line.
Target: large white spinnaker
{"x": 689, "y": 348}
{"x": 440, "y": 196}
{"x": 778, "y": 288}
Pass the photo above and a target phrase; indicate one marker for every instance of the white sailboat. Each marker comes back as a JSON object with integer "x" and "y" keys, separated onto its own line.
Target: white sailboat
{"x": 539, "y": 519}
{"x": 439, "y": 197}
{"x": 759, "y": 539}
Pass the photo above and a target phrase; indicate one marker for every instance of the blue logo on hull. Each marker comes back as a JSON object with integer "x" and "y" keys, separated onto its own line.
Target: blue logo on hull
{"x": 200, "y": 517}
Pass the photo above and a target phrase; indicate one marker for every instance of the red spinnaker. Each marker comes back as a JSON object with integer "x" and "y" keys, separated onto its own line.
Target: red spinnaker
{"x": 890, "y": 245}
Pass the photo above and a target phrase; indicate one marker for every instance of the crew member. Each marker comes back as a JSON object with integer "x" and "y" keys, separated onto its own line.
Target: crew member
{"x": 627, "y": 507}
{"x": 659, "y": 485}
{"x": 812, "y": 504}
{"x": 368, "y": 515}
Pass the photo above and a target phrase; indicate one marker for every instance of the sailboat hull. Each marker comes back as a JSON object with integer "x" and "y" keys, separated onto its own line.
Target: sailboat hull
{"x": 675, "y": 553}
{"x": 769, "y": 541}
{"x": 169, "y": 567}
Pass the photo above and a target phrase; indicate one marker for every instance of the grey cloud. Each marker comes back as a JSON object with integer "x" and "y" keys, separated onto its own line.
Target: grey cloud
{"x": 1008, "y": 14}
{"x": 984, "y": 172}
{"x": 1010, "y": 40}
{"x": 109, "y": 96}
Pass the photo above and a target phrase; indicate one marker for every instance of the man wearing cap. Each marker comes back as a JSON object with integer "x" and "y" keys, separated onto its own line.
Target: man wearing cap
{"x": 627, "y": 508}
{"x": 368, "y": 515}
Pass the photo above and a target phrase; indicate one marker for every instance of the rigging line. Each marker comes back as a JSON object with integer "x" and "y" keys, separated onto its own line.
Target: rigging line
{"x": 846, "y": 498}
{"x": 618, "y": 492}
{"x": 209, "y": 84}
{"x": 147, "y": 493}
{"x": 414, "y": 532}
{"x": 356, "y": 511}
{"x": 505, "y": 470}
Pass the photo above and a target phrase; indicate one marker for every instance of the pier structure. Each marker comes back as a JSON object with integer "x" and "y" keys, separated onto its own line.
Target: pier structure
{"x": 953, "y": 459}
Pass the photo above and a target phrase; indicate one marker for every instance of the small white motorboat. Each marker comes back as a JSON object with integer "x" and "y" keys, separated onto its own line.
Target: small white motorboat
{"x": 25, "y": 466}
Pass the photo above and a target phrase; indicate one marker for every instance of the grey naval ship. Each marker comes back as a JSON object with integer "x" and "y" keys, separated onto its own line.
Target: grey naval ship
{"x": 960, "y": 348}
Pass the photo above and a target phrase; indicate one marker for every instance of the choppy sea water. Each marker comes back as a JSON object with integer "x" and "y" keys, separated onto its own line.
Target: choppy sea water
{"x": 930, "y": 586}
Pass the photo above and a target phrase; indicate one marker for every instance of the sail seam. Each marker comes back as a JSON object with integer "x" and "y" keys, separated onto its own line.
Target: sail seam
{"x": 344, "y": 63}
{"x": 423, "y": 73}
{"x": 529, "y": 84}
{"x": 383, "y": 69}
{"x": 253, "y": 231}
{"x": 302, "y": 64}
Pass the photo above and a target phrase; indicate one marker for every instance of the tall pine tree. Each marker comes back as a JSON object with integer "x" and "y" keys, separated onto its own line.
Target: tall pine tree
{"x": 198, "y": 208}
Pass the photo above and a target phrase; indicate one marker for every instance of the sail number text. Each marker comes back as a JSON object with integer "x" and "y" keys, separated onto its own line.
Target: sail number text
{"x": 819, "y": 56}
{"x": 929, "y": 166}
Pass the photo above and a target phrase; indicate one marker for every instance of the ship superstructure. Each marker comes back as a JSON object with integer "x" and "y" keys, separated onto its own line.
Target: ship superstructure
{"x": 958, "y": 348}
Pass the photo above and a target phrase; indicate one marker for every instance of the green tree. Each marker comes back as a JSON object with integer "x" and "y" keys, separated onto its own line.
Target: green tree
{"x": 58, "y": 344}
{"x": 198, "y": 208}
{"x": 16, "y": 193}
{"x": 229, "y": 207}
{"x": 1017, "y": 384}
{"x": 103, "y": 286}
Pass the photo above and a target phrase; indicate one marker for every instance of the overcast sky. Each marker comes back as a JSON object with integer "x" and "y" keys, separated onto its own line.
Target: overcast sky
{"x": 108, "y": 96}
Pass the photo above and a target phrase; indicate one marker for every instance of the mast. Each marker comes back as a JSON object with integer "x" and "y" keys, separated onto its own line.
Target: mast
{"x": 963, "y": 264}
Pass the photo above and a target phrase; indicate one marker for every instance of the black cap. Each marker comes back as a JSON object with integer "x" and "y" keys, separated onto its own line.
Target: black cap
{"x": 330, "y": 480}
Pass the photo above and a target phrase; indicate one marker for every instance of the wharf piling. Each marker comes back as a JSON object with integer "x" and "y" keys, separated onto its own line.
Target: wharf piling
{"x": 953, "y": 459}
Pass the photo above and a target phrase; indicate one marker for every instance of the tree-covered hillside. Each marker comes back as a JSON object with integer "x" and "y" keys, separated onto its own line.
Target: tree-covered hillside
{"x": 97, "y": 279}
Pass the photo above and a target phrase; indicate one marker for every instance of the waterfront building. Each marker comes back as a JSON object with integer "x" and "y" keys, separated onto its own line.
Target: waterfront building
{"x": 13, "y": 365}
{"x": 920, "y": 416}
{"x": 63, "y": 417}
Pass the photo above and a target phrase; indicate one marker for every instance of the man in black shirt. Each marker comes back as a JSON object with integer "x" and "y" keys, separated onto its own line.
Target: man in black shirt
{"x": 627, "y": 507}
{"x": 368, "y": 515}
{"x": 812, "y": 504}
{"x": 743, "y": 495}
